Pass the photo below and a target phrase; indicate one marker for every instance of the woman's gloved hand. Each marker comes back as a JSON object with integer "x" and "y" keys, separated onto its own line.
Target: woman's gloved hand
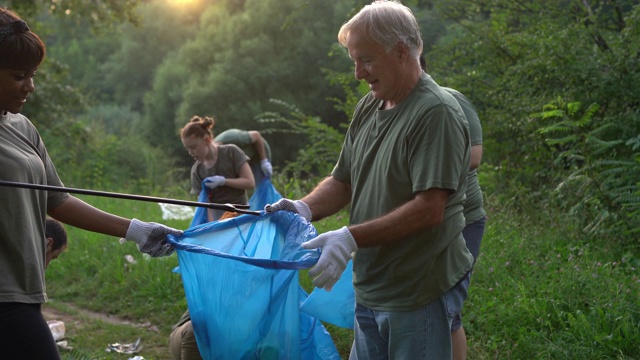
{"x": 213, "y": 182}
{"x": 266, "y": 167}
{"x": 151, "y": 238}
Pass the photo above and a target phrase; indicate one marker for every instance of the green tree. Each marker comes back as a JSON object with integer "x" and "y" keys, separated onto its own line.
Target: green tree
{"x": 241, "y": 57}
{"x": 98, "y": 13}
{"x": 513, "y": 58}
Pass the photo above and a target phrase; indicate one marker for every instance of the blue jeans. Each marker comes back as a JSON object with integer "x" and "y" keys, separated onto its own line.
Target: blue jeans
{"x": 473, "y": 234}
{"x": 419, "y": 334}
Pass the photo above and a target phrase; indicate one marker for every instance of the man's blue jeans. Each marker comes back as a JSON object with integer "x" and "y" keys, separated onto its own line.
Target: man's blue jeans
{"x": 421, "y": 334}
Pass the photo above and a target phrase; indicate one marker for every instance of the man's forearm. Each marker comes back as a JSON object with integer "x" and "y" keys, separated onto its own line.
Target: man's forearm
{"x": 329, "y": 197}
{"x": 424, "y": 211}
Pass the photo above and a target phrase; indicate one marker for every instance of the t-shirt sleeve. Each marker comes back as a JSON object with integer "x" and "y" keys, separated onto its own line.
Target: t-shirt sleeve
{"x": 239, "y": 157}
{"x": 437, "y": 149}
{"x": 54, "y": 198}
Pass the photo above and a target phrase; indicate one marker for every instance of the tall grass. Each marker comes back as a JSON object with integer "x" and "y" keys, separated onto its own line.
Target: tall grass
{"x": 537, "y": 291}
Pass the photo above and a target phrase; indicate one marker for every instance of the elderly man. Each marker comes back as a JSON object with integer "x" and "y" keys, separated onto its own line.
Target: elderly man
{"x": 403, "y": 169}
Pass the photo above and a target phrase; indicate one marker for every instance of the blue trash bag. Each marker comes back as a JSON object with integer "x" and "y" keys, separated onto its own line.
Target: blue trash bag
{"x": 240, "y": 277}
{"x": 264, "y": 194}
{"x": 200, "y": 215}
{"x": 316, "y": 342}
{"x": 336, "y": 306}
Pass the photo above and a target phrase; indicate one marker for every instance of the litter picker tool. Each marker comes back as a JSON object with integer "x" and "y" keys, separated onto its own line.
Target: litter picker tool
{"x": 243, "y": 209}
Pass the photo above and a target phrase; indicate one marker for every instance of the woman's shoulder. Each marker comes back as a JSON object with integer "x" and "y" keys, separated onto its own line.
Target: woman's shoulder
{"x": 17, "y": 121}
{"x": 229, "y": 149}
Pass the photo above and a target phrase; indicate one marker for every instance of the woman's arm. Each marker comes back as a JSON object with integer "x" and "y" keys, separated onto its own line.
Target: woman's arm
{"x": 258, "y": 144}
{"x": 78, "y": 213}
{"x": 245, "y": 181}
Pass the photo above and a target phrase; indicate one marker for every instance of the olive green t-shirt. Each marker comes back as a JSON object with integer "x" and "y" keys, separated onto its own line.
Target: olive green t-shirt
{"x": 24, "y": 159}
{"x": 242, "y": 139}
{"x": 230, "y": 161}
{"x": 473, "y": 210}
{"x": 387, "y": 157}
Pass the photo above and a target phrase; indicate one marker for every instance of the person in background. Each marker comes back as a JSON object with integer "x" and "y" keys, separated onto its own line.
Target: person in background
{"x": 182, "y": 340}
{"x": 24, "y": 333}
{"x": 403, "y": 170}
{"x": 223, "y": 168}
{"x": 226, "y": 172}
{"x": 56, "y": 239}
{"x": 254, "y": 145}
{"x": 474, "y": 213}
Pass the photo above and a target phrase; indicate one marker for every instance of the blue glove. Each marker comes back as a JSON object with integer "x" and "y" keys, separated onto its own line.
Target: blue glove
{"x": 337, "y": 247}
{"x": 295, "y": 206}
{"x": 151, "y": 238}
{"x": 213, "y": 182}
{"x": 266, "y": 167}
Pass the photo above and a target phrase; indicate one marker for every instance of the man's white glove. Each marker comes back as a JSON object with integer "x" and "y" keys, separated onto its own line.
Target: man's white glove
{"x": 213, "y": 182}
{"x": 151, "y": 238}
{"x": 296, "y": 206}
{"x": 337, "y": 247}
{"x": 266, "y": 167}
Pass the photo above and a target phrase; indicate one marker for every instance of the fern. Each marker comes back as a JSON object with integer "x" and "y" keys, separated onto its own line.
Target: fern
{"x": 323, "y": 142}
{"x": 76, "y": 354}
{"x": 601, "y": 186}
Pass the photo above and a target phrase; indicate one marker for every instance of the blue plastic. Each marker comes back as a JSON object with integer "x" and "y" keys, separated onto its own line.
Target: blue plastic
{"x": 264, "y": 194}
{"x": 200, "y": 215}
{"x": 240, "y": 277}
{"x": 336, "y": 306}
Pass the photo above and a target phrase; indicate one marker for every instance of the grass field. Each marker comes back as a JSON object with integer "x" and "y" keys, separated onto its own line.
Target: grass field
{"x": 538, "y": 292}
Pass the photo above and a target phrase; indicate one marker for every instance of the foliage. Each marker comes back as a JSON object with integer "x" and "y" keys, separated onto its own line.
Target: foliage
{"x": 242, "y": 56}
{"x": 321, "y": 142}
{"x": 86, "y": 155}
{"x": 75, "y": 354}
{"x": 512, "y": 58}
{"x": 161, "y": 29}
{"x": 539, "y": 291}
{"x": 600, "y": 187}
{"x": 53, "y": 101}
{"x": 99, "y": 13}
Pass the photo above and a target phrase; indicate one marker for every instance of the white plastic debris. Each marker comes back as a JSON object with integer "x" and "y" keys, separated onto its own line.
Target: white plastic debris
{"x": 63, "y": 345}
{"x": 57, "y": 329}
{"x": 176, "y": 212}
{"x": 125, "y": 348}
{"x": 130, "y": 259}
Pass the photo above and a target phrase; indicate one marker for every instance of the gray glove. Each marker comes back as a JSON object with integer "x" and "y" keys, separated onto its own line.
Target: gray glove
{"x": 296, "y": 206}
{"x": 151, "y": 238}
{"x": 337, "y": 247}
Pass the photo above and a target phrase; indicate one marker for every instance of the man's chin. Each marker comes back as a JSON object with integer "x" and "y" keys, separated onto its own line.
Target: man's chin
{"x": 378, "y": 95}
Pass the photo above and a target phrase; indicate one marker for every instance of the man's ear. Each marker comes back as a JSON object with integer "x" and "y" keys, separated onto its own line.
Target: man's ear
{"x": 49, "y": 241}
{"x": 402, "y": 49}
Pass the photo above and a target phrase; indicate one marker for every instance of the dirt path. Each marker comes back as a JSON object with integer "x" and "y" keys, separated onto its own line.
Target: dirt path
{"x": 79, "y": 322}
{"x": 51, "y": 313}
